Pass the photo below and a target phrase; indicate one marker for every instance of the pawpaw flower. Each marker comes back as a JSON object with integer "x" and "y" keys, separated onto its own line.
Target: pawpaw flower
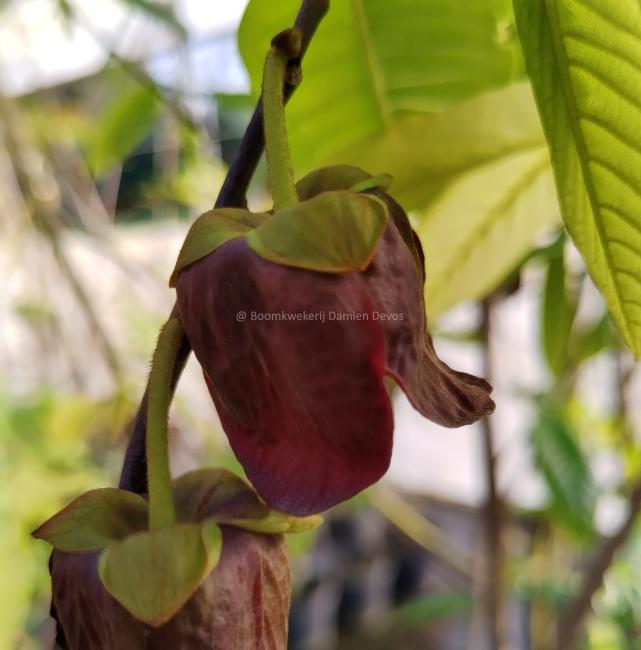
{"x": 243, "y": 602}
{"x": 297, "y": 318}
{"x": 298, "y": 315}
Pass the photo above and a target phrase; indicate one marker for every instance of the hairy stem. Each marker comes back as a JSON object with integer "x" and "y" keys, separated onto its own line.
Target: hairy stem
{"x": 285, "y": 46}
{"x": 161, "y": 501}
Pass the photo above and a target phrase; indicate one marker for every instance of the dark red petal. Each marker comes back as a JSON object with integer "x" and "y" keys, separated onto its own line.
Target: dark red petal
{"x": 448, "y": 397}
{"x": 302, "y": 402}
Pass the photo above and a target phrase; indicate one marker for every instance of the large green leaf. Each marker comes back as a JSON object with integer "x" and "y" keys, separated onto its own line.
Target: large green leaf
{"x": 153, "y": 574}
{"x": 565, "y": 468}
{"x": 583, "y": 57}
{"x": 94, "y": 520}
{"x": 489, "y": 189}
{"x": 373, "y": 61}
{"x": 483, "y": 224}
{"x": 424, "y": 153}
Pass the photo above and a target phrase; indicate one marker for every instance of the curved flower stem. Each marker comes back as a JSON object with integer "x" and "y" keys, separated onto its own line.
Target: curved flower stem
{"x": 161, "y": 502}
{"x": 285, "y": 46}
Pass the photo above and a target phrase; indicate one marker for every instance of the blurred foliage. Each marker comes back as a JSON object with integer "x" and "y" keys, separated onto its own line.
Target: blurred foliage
{"x": 52, "y": 446}
{"x": 564, "y": 465}
{"x": 120, "y": 127}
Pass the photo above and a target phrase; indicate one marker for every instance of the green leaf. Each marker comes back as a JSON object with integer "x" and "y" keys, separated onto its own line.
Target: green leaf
{"x": 557, "y": 315}
{"x": 375, "y": 61}
{"x": 566, "y": 471}
{"x": 153, "y": 574}
{"x": 121, "y": 127}
{"x": 583, "y": 60}
{"x": 159, "y": 12}
{"x": 333, "y": 232}
{"x": 210, "y": 231}
{"x": 425, "y": 153}
{"x": 483, "y": 225}
{"x": 225, "y": 498}
{"x": 94, "y": 520}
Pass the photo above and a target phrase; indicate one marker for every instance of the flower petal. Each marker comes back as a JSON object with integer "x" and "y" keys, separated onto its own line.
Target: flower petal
{"x": 446, "y": 396}
{"x": 302, "y": 401}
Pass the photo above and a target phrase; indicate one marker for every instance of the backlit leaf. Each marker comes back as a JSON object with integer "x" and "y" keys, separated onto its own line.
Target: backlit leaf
{"x": 583, "y": 59}
{"x": 377, "y": 60}
{"x": 483, "y": 225}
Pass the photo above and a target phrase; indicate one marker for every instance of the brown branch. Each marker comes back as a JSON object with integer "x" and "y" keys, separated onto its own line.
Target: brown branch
{"x": 232, "y": 193}
{"x": 493, "y": 510}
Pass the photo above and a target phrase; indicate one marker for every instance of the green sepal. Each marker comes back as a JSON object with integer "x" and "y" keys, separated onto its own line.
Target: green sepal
{"x": 94, "y": 520}
{"x": 326, "y": 179}
{"x": 220, "y": 496}
{"x": 275, "y": 523}
{"x": 210, "y": 231}
{"x": 333, "y": 232}
{"x": 153, "y": 574}
{"x": 382, "y": 182}
{"x": 213, "y": 493}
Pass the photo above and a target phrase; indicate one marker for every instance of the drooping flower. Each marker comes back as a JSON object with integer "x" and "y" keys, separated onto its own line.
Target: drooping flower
{"x": 297, "y": 318}
{"x": 217, "y": 577}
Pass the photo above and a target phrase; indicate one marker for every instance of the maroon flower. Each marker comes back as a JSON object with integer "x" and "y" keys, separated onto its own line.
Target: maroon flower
{"x": 295, "y": 359}
{"x": 116, "y": 584}
{"x": 242, "y": 604}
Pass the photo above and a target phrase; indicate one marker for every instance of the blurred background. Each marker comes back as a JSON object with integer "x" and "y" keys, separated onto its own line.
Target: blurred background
{"x": 118, "y": 119}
